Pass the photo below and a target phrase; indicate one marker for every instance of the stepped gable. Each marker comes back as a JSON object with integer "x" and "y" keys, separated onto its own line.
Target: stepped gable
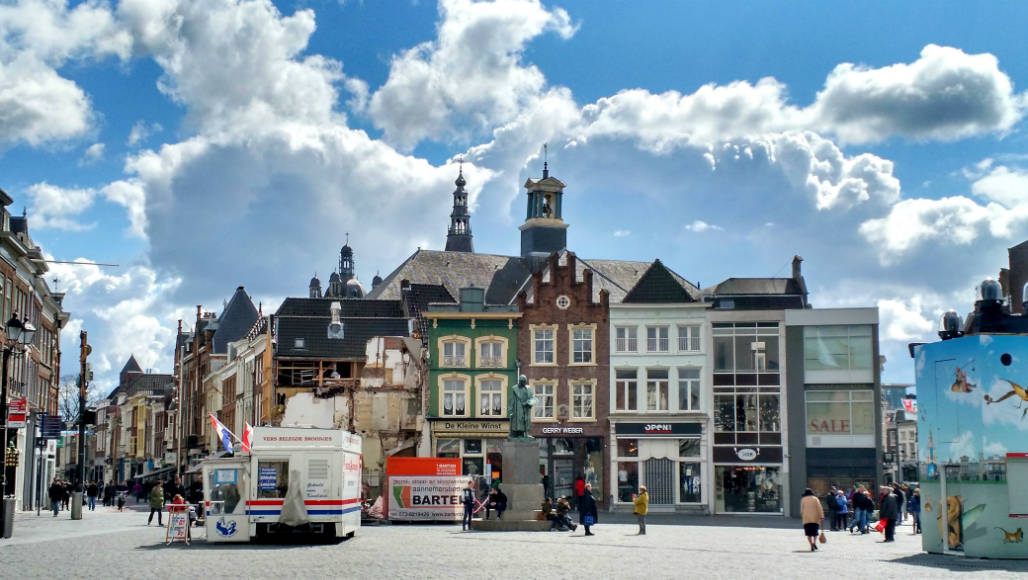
{"x": 500, "y": 276}
{"x": 660, "y": 285}
{"x": 235, "y": 321}
{"x": 309, "y": 318}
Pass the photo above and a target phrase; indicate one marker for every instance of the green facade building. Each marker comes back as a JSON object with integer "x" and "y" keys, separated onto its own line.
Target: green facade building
{"x": 473, "y": 363}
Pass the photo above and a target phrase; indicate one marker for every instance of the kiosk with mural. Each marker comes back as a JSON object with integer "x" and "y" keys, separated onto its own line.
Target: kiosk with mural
{"x": 973, "y": 443}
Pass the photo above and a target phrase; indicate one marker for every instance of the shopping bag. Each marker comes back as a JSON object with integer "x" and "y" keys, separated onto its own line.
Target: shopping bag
{"x": 589, "y": 520}
{"x": 880, "y": 526}
{"x": 822, "y": 538}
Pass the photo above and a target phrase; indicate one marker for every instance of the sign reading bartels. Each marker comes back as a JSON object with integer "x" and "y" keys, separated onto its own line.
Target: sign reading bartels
{"x": 426, "y": 497}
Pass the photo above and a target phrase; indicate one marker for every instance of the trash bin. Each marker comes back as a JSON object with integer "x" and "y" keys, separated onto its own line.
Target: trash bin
{"x": 8, "y": 508}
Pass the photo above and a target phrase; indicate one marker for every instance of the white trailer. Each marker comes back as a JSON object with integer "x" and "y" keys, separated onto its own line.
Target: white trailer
{"x": 293, "y": 479}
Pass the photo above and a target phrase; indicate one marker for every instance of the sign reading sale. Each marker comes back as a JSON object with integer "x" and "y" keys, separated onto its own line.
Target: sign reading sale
{"x": 17, "y": 410}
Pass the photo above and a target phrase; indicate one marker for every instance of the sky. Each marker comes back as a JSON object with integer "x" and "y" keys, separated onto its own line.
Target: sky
{"x": 202, "y": 145}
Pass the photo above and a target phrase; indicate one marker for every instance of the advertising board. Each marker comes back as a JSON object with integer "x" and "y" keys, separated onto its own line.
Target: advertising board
{"x": 426, "y": 497}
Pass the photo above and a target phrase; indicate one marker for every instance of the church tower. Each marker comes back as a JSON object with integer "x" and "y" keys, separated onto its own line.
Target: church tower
{"x": 544, "y": 232}
{"x": 346, "y": 261}
{"x": 458, "y": 237}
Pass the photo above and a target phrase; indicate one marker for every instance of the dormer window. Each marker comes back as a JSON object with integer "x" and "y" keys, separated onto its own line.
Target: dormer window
{"x": 299, "y": 342}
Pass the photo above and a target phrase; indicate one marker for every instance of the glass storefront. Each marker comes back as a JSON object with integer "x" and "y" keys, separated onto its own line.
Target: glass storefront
{"x": 748, "y": 488}
{"x": 669, "y": 480}
{"x": 479, "y": 457}
{"x": 563, "y": 459}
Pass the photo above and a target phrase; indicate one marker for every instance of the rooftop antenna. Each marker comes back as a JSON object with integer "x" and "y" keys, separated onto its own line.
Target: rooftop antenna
{"x": 347, "y": 238}
{"x": 56, "y": 281}
{"x": 546, "y": 163}
{"x": 460, "y": 165}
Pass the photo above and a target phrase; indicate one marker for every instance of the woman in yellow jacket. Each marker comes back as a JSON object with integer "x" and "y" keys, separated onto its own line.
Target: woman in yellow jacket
{"x": 642, "y": 504}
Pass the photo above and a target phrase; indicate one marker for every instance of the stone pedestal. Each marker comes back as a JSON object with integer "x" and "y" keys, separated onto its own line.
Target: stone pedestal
{"x": 521, "y": 486}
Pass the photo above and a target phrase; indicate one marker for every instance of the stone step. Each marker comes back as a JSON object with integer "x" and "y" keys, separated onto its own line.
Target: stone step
{"x": 510, "y": 525}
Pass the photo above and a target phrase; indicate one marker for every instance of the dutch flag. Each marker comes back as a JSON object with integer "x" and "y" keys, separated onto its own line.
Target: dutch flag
{"x": 224, "y": 434}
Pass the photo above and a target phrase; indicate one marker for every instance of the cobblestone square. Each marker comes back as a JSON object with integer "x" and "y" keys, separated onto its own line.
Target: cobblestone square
{"x": 112, "y": 544}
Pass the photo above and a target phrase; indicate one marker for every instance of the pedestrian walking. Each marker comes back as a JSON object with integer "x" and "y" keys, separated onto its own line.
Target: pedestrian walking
{"x": 832, "y": 506}
{"x": 914, "y": 507}
{"x": 56, "y": 492}
{"x": 65, "y": 494}
{"x": 889, "y": 511}
{"x": 587, "y": 513}
{"x": 841, "y": 511}
{"x": 813, "y": 514}
{"x": 642, "y": 505}
{"x": 467, "y": 497}
{"x": 91, "y": 492}
{"x": 862, "y": 508}
{"x": 156, "y": 503}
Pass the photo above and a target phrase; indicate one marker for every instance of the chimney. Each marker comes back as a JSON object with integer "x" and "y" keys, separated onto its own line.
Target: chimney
{"x": 796, "y": 273}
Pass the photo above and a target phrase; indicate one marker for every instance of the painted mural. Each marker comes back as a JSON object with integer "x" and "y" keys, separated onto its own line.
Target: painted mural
{"x": 973, "y": 445}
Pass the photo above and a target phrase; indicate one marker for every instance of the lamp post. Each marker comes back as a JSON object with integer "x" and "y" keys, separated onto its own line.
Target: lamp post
{"x": 17, "y": 333}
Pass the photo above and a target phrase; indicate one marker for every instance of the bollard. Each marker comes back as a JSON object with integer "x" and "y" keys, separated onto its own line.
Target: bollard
{"x": 76, "y": 505}
{"x": 8, "y": 519}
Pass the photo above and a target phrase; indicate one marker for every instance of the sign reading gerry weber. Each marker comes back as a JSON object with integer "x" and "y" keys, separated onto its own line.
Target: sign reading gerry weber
{"x": 658, "y": 429}
{"x": 426, "y": 498}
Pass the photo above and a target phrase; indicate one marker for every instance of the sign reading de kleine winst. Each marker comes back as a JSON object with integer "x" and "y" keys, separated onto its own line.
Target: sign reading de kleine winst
{"x": 470, "y": 428}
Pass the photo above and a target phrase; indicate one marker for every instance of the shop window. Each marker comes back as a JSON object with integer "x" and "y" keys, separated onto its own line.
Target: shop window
{"x": 689, "y": 338}
{"x": 837, "y": 347}
{"x": 542, "y": 346}
{"x": 689, "y": 447}
{"x": 840, "y": 412}
{"x": 454, "y": 397}
{"x": 628, "y": 448}
{"x": 625, "y": 386}
{"x": 625, "y": 339}
{"x": 447, "y": 448}
{"x": 582, "y": 345}
{"x": 544, "y": 397}
{"x": 656, "y": 339}
{"x": 472, "y": 446}
{"x": 688, "y": 389}
{"x": 748, "y": 489}
{"x": 628, "y": 480}
{"x": 582, "y": 400}
{"x": 691, "y": 482}
{"x": 656, "y": 390}
{"x": 490, "y": 395}
{"x": 225, "y": 485}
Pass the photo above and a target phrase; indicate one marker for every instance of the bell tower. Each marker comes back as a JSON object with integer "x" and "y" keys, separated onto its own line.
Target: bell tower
{"x": 458, "y": 237}
{"x": 544, "y": 231}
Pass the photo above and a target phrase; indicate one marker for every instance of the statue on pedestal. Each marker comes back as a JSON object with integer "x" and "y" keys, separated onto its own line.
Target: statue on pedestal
{"x": 519, "y": 409}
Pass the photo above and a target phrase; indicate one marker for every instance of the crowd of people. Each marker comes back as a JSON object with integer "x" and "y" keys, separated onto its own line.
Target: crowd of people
{"x": 111, "y": 494}
{"x": 854, "y": 511}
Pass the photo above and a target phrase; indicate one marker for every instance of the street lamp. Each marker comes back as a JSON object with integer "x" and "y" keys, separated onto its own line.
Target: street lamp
{"x": 17, "y": 333}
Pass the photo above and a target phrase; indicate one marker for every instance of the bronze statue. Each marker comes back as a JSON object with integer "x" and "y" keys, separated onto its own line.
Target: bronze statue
{"x": 519, "y": 409}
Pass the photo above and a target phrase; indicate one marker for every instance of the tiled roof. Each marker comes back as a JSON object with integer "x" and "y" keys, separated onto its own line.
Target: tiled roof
{"x": 500, "y": 276}
{"x": 660, "y": 285}
{"x": 131, "y": 366}
{"x": 751, "y": 286}
{"x": 308, "y": 319}
{"x": 236, "y": 320}
{"x": 153, "y": 384}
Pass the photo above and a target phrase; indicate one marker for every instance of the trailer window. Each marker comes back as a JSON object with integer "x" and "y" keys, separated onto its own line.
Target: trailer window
{"x": 272, "y": 479}
{"x": 224, "y": 486}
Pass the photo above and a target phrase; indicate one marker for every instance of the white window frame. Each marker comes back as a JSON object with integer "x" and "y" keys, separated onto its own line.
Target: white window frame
{"x": 690, "y": 384}
{"x": 453, "y": 361}
{"x": 627, "y": 343}
{"x": 541, "y": 390}
{"x": 689, "y": 338}
{"x": 658, "y": 340}
{"x": 632, "y": 403}
{"x": 572, "y": 349}
{"x": 657, "y": 382}
{"x": 493, "y": 362}
{"x": 534, "y": 329}
{"x": 578, "y": 385}
{"x": 443, "y": 392}
{"x": 479, "y": 391}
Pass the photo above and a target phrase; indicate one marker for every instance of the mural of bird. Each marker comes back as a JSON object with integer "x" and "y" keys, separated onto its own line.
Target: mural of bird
{"x": 224, "y": 530}
{"x": 961, "y": 384}
{"x": 1017, "y": 390}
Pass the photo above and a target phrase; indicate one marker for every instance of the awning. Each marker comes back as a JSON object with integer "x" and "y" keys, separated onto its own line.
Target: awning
{"x": 155, "y": 472}
{"x": 196, "y": 468}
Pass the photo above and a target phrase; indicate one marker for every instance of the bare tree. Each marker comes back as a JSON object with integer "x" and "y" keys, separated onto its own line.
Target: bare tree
{"x": 68, "y": 397}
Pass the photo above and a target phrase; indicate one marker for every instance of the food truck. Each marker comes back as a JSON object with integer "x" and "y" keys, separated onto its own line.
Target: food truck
{"x": 293, "y": 479}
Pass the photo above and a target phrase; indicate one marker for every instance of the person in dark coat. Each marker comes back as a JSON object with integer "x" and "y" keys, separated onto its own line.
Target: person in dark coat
{"x": 587, "y": 513}
{"x": 92, "y": 490}
{"x": 889, "y": 511}
{"x": 56, "y": 492}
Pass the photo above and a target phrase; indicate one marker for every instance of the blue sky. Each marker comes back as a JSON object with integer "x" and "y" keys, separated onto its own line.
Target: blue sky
{"x": 207, "y": 145}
